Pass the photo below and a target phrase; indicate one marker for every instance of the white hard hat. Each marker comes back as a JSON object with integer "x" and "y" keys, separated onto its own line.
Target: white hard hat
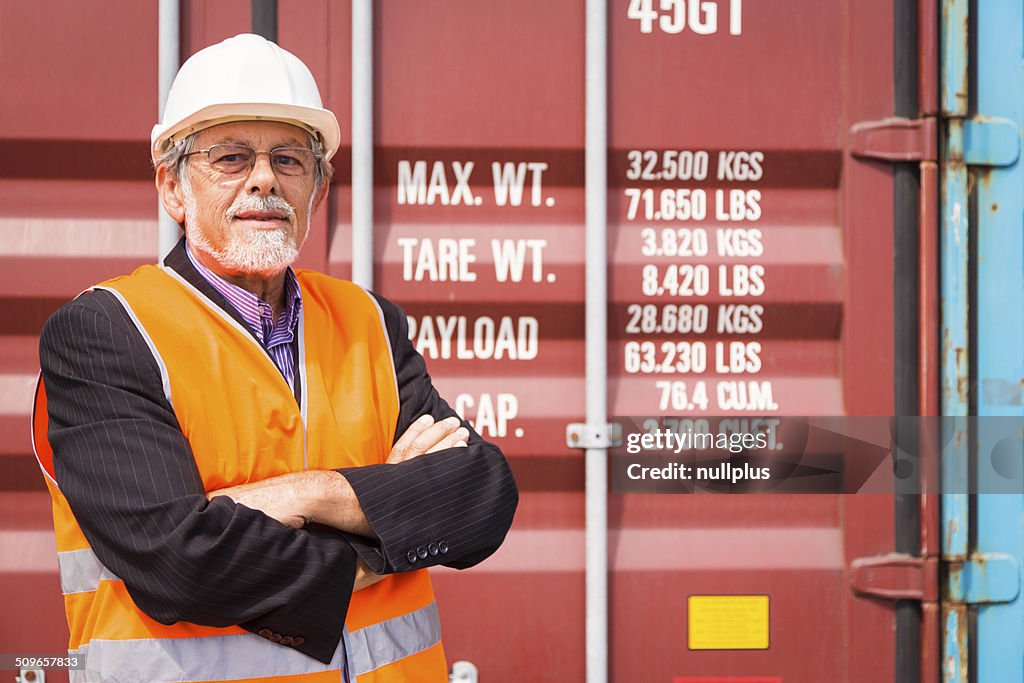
{"x": 244, "y": 78}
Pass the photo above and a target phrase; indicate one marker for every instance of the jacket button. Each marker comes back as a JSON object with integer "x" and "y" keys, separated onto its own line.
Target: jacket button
{"x": 287, "y": 640}
{"x": 276, "y": 638}
{"x": 411, "y": 555}
{"x": 433, "y": 549}
{"x": 264, "y": 633}
{"x": 443, "y": 547}
{"x": 297, "y": 640}
{"x": 422, "y": 552}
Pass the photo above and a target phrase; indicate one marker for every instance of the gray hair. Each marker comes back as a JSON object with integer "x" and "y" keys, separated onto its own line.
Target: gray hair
{"x": 175, "y": 159}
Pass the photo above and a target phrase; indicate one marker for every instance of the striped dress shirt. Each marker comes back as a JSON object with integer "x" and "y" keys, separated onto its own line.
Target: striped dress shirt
{"x": 278, "y": 337}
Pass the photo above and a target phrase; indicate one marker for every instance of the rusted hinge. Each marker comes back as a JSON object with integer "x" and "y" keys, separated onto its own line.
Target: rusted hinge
{"x": 991, "y": 141}
{"x": 895, "y": 139}
{"x": 896, "y": 577}
{"x": 984, "y": 578}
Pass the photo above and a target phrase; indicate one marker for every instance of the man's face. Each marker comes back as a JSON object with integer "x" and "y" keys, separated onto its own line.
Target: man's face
{"x": 250, "y": 223}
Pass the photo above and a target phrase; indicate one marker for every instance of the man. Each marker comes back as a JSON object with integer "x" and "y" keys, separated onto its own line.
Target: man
{"x": 250, "y": 469}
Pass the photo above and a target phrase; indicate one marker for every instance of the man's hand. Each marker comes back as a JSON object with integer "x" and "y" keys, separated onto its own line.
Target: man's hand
{"x": 325, "y": 496}
{"x": 426, "y": 436}
{"x": 285, "y": 498}
{"x": 365, "y": 577}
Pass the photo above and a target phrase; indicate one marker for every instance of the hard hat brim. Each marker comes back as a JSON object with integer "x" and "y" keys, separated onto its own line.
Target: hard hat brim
{"x": 316, "y": 121}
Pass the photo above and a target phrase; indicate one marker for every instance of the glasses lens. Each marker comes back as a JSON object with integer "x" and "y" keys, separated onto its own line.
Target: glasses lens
{"x": 293, "y": 160}
{"x": 231, "y": 159}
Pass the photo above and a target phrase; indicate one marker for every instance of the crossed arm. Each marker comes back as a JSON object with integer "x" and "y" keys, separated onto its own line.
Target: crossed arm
{"x": 326, "y": 497}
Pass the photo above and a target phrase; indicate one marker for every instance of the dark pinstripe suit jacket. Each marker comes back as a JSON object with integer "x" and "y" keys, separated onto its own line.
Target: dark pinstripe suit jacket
{"x": 130, "y": 478}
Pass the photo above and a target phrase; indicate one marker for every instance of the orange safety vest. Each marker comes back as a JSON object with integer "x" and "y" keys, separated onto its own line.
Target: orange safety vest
{"x": 392, "y": 629}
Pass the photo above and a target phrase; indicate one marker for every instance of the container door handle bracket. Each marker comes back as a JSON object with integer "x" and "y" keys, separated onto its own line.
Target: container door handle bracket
{"x": 581, "y": 435}
{"x": 896, "y": 576}
{"x": 895, "y": 139}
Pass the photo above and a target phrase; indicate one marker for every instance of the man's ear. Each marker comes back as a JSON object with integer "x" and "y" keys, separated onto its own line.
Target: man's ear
{"x": 169, "y": 188}
{"x": 321, "y": 194}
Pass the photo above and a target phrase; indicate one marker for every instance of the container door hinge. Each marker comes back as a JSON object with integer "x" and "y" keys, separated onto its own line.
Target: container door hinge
{"x": 895, "y": 139}
{"x": 991, "y": 141}
{"x": 896, "y": 576}
{"x": 984, "y": 578}
{"x": 581, "y": 435}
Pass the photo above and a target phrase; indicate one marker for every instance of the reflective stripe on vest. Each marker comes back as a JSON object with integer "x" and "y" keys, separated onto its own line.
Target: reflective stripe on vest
{"x": 81, "y": 571}
{"x": 395, "y": 630}
{"x": 386, "y": 642}
{"x": 213, "y": 658}
{"x": 371, "y": 647}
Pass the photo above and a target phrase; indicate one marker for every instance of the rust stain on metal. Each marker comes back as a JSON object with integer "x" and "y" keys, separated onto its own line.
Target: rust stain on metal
{"x": 955, "y": 663}
{"x": 994, "y": 207}
{"x": 982, "y": 176}
{"x": 961, "y": 639}
{"x": 952, "y": 527}
{"x": 962, "y": 381}
{"x": 961, "y": 91}
{"x": 947, "y": 345}
{"x": 962, "y": 388}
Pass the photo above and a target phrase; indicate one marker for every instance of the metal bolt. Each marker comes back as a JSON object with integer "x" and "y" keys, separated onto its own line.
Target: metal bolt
{"x": 29, "y": 676}
{"x": 464, "y": 672}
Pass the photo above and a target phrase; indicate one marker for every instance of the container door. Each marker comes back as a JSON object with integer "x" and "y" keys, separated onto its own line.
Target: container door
{"x": 745, "y": 237}
{"x": 999, "y": 374}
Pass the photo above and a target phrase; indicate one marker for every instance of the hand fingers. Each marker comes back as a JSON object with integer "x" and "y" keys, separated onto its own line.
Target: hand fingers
{"x": 401, "y": 448}
{"x": 426, "y": 436}
{"x": 432, "y": 435}
{"x": 456, "y": 438}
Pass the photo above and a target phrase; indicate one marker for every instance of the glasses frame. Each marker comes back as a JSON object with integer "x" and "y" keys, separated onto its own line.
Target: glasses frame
{"x": 256, "y": 153}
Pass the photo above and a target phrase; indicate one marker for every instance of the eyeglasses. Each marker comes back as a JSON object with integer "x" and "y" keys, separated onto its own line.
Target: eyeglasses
{"x": 232, "y": 159}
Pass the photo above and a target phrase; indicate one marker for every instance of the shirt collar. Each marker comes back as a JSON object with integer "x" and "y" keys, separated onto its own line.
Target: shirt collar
{"x": 253, "y": 309}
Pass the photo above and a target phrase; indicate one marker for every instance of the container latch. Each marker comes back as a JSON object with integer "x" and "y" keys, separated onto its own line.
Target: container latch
{"x": 984, "y": 578}
{"x": 991, "y": 141}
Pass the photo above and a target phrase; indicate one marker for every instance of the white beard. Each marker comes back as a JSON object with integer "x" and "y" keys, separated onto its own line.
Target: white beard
{"x": 258, "y": 252}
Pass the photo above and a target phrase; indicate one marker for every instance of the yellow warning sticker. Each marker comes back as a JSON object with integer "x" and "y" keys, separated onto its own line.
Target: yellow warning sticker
{"x": 727, "y": 622}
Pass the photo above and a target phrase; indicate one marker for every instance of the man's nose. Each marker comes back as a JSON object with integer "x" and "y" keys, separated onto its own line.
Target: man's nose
{"x": 262, "y": 179}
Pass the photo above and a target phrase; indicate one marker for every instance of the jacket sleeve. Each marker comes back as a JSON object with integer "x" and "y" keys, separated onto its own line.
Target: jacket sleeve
{"x": 451, "y": 507}
{"x": 127, "y": 471}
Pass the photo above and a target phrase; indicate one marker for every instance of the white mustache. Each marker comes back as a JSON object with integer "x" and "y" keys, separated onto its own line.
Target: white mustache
{"x": 255, "y": 202}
